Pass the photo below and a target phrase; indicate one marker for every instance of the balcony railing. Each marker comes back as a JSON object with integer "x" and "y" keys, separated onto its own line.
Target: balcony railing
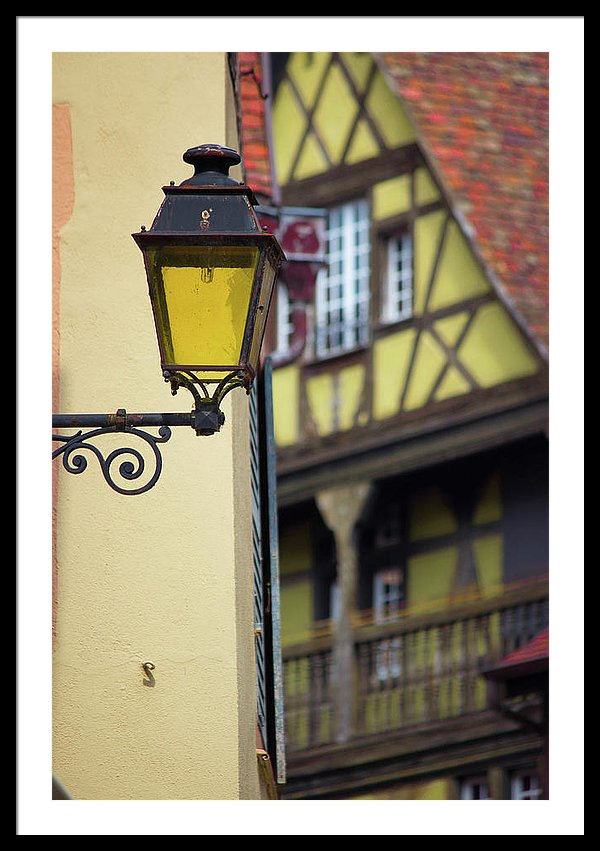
{"x": 412, "y": 670}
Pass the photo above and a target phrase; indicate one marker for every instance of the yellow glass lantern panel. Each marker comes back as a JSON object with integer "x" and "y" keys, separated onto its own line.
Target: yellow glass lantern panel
{"x": 201, "y": 300}
{"x": 264, "y": 298}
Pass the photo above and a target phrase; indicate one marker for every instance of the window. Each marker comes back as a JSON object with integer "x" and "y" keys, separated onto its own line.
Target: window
{"x": 388, "y": 596}
{"x": 382, "y": 555}
{"x": 474, "y": 789}
{"x": 525, "y": 786}
{"x": 302, "y": 235}
{"x": 285, "y": 326}
{"x": 398, "y": 291}
{"x": 388, "y": 593}
{"x": 342, "y": 305}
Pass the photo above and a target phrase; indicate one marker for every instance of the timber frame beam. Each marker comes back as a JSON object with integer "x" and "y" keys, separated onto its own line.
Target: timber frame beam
{"x": 404, "y": 451}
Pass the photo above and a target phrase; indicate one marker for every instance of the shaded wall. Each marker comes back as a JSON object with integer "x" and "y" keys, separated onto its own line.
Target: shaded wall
{"x": 166, "y": 576}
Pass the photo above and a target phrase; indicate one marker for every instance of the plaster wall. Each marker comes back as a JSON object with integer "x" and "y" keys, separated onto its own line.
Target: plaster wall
{"x": 166, "y": 576}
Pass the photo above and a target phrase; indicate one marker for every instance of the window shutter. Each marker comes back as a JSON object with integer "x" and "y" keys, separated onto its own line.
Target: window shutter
{"x": 265, "y": 555}
{"x": 257, "y": 566}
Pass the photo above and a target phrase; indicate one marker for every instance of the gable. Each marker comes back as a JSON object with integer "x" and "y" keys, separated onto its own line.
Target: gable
{"x": 462, "y": 347}
{"x": 333, "y": 109}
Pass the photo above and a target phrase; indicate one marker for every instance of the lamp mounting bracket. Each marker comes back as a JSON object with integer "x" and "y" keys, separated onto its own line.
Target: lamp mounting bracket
{"x": 207, "y": 414}
{"x": 205, "y": 418}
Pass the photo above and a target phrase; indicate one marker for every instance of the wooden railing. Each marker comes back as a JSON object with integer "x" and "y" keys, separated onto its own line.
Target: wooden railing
{"x": 412, "y": 670}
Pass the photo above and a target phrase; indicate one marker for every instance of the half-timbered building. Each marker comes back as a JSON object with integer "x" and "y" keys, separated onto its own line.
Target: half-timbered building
{"x": 410, "y": 380}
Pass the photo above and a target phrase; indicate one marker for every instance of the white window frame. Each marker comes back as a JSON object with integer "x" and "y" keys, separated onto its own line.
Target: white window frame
{"x": 387, "y": 594}
{"x": 343, "y": 286}
{"x": 285, "y": 326}
{"x": 398, "y": 289}
{"x": 518, "y": 793}
{"x": 387, "y": 599}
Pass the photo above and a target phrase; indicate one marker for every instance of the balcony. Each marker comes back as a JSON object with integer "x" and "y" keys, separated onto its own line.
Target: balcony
{"x": 413, "y": 670}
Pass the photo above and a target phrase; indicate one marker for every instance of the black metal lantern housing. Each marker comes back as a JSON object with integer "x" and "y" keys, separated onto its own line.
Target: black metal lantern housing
{"x": 211, "y": 271}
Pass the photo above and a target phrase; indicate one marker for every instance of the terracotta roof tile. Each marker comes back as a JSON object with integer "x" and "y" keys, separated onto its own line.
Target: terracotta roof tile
{"x": 483, "y": 120}
{"x": 537, "y": 648}
{"x": 529, "y": 658}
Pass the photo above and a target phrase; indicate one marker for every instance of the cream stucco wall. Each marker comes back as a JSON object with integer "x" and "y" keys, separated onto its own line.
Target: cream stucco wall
{"x": 165, "y": 576}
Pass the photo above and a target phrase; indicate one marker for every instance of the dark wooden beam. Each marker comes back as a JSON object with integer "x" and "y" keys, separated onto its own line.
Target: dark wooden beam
{"x": 526, "y": 593}
{"x": 409, "y": 444}
{"x": 348, "y": 181}
{"x": 425, "y": 752}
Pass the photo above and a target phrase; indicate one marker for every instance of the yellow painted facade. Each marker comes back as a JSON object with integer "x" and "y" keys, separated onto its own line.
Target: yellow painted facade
{"x": 166, "y": 576}
{"x": 460, "y": 337}
{"x": 285, "y": 403}
{"x": 428, "y": 231}
{"x": 494, "y": 350}
{"x": 320, "y": 391}
{"x": 459, "y": 276}
{"x": 388, "y": 627}
{"x": 410, "y": 367}
{"x": 392, "y": 197}
{"x": 432, "y": 575}
{"x": 430, "y": 515}
{"x": 295, "y": 549}
{"x": 388, "y": 385}
{"x": 315, "y": 86}
{"x": 317, "y": 126}
{"x": 351, "y": 384}
{"x": 430, "y": 359}
{"x": 426, "y": 190}
{"x": 432, "y": 790}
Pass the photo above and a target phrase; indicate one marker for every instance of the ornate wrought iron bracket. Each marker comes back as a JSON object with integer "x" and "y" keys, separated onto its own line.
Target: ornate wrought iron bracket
{"x": 205, "y": 418}
{"x": 129, "y": 470}
{"x": 208, "y": 417}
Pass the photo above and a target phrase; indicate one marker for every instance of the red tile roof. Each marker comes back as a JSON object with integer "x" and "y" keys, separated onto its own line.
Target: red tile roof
{"x": 532, "y": 656}
{"x": 483, "y": 120}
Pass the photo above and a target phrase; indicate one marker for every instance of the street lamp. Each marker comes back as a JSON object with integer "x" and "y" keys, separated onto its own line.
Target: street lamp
{"x": 211, "y": 270}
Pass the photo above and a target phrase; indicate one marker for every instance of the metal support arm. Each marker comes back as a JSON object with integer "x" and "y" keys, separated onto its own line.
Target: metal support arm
{"x": 206, "y": 418}
{"x": 121, "y": 420}
{"x": 129, "y": 470}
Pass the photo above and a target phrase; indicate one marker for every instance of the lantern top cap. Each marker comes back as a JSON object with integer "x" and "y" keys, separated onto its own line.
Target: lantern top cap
{"x": 211, "y": 165}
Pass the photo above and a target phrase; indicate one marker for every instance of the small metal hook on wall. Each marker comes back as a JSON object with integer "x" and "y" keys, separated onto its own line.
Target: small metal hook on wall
{"x": 148, "y": 668}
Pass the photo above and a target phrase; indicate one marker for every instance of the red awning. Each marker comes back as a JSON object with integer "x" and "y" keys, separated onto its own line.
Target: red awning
{"x": 529, "y": 659}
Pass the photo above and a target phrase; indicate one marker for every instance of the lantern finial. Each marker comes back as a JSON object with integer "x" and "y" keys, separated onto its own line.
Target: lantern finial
{"x": 211, "y": 165}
